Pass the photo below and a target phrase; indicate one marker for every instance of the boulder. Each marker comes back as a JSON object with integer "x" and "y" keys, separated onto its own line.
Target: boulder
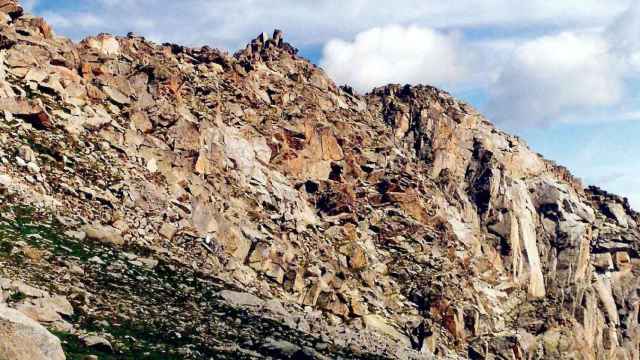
{"x": 107, "y": 235}
{"x": 358, "y": 259}
{"x": 168, "y": 231}
{"x": 27, "y": 290}
{"x": 23, "y": 338}
{"x": 5, "y": 184}
{"x": 105, "y": 44}
{"x": 32, "y": 112}
{"x": 241, "y": 299}
{"x": 282, "y": 349}
{"x": 617, "y": 212}
{"x": 96, "y": 342}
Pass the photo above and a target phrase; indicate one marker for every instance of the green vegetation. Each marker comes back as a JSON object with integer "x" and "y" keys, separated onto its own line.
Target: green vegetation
{"x": 16, "y": 297}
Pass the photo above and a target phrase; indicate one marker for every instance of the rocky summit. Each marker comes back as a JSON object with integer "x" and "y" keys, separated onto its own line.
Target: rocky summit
{"x": 166, "y": 202}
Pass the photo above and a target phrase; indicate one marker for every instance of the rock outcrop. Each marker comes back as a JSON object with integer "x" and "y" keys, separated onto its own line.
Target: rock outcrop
{"x": 158, "y": 184}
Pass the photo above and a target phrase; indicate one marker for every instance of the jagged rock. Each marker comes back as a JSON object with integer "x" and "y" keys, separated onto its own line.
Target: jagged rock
{"x": 105, "y": 44}
{"x": 32, "y": 112}
{"x": 141, "y": 122}
{"x": 46, "y": 309}
{"x": 168, "y": 231}
{"x": 392, "y": 221}
{"x": 22, "y": 288}
{"x": 27, "y": 154}
{"x": 283, "y": 349}
{"x": 618, "y": 213}
{"x": 115, "y": 95}
{"x": 358, "y": 259}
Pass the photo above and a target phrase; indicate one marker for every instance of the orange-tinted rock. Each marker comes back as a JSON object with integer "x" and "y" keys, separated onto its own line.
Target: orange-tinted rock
{"x": 11, "y": 7}
{"x": 358, "y": 259}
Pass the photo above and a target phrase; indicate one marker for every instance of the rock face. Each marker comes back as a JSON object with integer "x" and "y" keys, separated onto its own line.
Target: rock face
{"x": 401, "y": 222}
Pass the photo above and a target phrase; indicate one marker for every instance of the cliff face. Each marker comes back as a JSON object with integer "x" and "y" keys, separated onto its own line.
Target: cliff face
{"x": 243, "y": 205}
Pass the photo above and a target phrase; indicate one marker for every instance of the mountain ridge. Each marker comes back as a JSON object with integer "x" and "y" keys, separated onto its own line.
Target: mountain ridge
{"x": 210, "y": 205}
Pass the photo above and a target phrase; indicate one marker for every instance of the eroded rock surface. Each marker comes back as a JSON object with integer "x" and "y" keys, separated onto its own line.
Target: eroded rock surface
{"x": 210, "y": 199}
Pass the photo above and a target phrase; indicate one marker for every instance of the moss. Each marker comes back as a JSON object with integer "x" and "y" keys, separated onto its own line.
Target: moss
{"x": 16, "y": 297}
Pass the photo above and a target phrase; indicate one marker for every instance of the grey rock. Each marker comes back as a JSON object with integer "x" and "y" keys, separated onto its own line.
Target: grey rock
{"x": 241, "y": 298}
{"x": 281, "y": 348}
{"x": 98, "y": 342}
{"x": 618, "y": 213}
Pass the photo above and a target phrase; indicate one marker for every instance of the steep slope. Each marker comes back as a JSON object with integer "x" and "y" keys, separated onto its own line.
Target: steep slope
{"x": 214, "y": 205}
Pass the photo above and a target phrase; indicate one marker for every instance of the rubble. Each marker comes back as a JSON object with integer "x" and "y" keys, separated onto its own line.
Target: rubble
{"x": 243, "y": 203}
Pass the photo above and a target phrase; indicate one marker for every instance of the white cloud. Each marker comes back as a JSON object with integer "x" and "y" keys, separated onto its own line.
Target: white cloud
{"x": 572, "y": 76}
{"x": 396, "y": 54}
{"x": 575, "y": 75}
{"x": 622, "y": 34}
{"x": 230, "y": 23}
{"x": 623, "y": 31}
{"x": 550, "y": 77}
{"x": 63, "y": 23}
{"x": 582, "y": 75}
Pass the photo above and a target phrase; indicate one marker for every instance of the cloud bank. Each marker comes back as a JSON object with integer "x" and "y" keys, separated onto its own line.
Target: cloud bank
{"x": 553, "y": 77}
{"x": 580, "y": 75}
{"x": 229, "y": 23}
{"x": 389, "y": 55}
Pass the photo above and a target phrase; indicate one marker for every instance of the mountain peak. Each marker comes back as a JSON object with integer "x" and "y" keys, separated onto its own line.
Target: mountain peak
{"x": 215, "y": 205}
{"x": 265, "y": 47}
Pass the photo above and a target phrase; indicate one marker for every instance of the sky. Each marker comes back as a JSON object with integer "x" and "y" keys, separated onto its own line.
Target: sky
{"x": 563, "y": 74}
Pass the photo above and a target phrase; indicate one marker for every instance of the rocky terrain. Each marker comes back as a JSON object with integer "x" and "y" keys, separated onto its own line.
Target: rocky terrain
{"x": 165, "y": 202}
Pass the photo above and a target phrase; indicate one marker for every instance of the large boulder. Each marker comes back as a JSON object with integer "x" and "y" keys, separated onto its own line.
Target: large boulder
{"x": 107, "y": 235}
{"x": 23, "y": 338}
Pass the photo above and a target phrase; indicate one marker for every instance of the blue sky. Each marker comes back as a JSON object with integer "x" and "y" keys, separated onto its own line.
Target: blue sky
{"x": 562, "y": 74}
